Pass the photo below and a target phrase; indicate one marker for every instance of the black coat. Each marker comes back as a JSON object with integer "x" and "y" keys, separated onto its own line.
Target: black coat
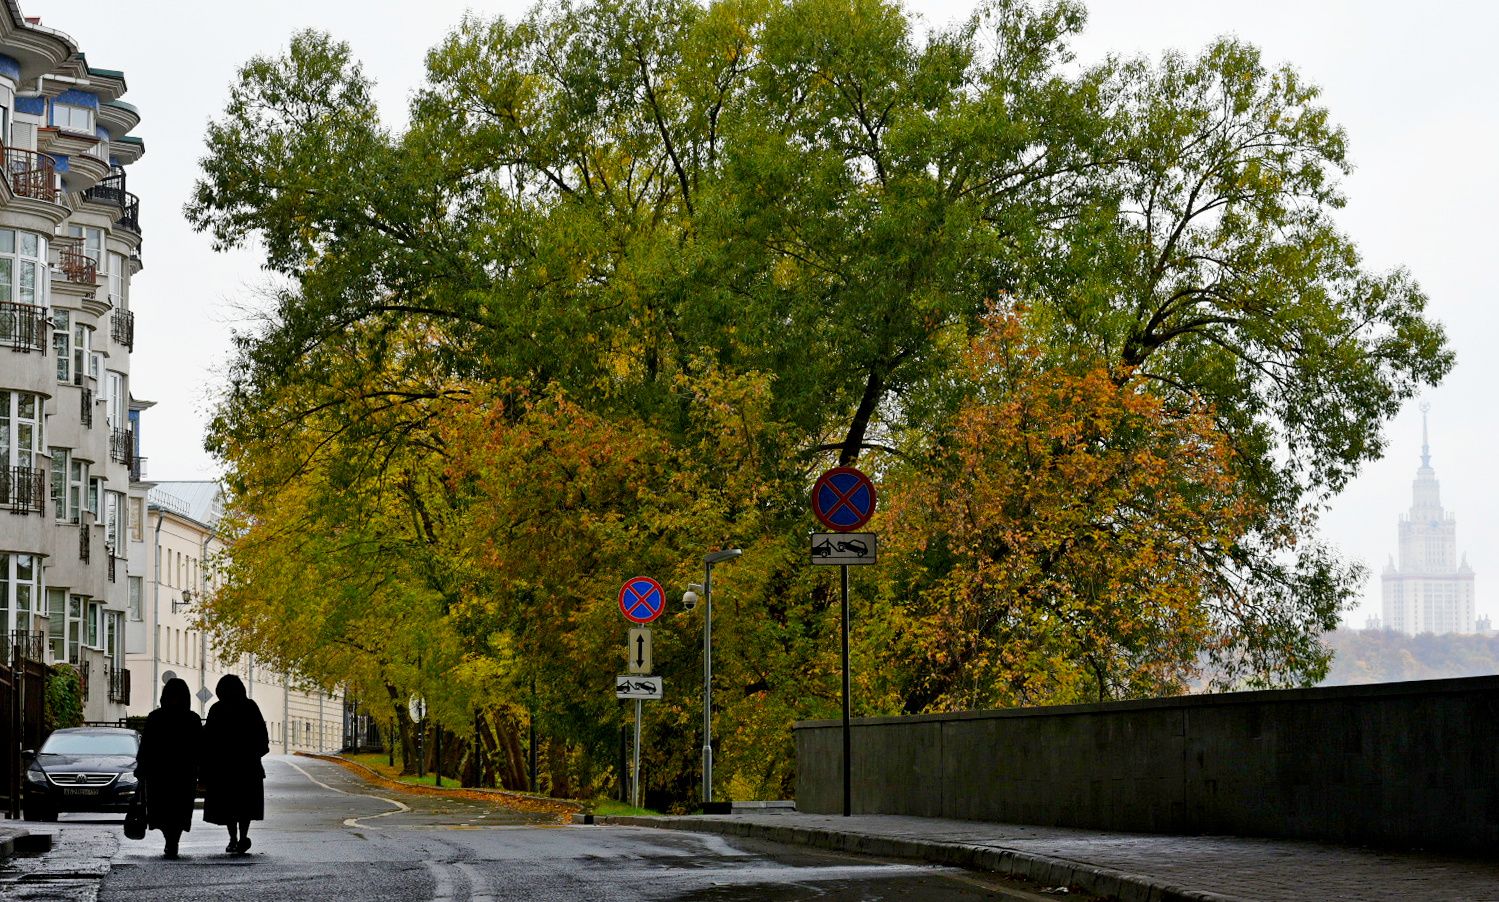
{"x": 167, "y": 765}
{"x": 234, "y": 740}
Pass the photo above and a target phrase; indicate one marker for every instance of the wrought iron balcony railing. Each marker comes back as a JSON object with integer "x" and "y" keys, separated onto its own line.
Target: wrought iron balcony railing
{"x": 83, "y": 674}
{"x": 130, "y": 218}
{"x": 111, "y": 190}
{"x": 119, "y": 685}
{"x": 85, "y": 543}
{"x": 27, "y": 645}
{"x": 74, "y": 261}
{"x": 137, "y": 468}
{"x": 23, "y": 326}
{"x": 23, "y": 489}
{"x": 86, "y": 408}
{"x": 122, "y": 328}
{"x": 120, "y": 445}
{"x": 31, "y": 174}
{"x": 109, "y": 552}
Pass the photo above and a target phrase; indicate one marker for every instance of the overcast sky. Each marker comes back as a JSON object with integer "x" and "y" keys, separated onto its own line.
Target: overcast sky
{"x": 1413, "y": 84}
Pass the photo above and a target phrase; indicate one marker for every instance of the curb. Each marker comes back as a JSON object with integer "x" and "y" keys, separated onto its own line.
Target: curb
{"x": 558, "y": 808}
{"x": 23, "y": 842}
{"x": 1040, "y": 869}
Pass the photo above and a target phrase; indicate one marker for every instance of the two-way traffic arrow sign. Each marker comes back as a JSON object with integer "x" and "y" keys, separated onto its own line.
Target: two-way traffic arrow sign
{"x": 639, "y": 650}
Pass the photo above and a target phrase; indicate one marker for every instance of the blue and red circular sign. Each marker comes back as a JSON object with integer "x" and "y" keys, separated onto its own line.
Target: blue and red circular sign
{"x": 843, "y": 499}
{"x": 641, "y": 599}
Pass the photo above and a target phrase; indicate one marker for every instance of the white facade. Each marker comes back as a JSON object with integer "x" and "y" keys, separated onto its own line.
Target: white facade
{"x": 174, "y": 552}
{"x": 1430, "y": 591}
{"x": 70, "y": 240}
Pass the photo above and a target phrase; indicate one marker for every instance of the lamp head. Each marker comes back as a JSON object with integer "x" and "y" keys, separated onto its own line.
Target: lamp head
{"x": 718, "y": 557}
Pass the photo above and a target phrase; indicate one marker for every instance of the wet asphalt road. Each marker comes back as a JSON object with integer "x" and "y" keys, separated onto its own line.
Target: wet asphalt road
{"x": 329, "y": 835}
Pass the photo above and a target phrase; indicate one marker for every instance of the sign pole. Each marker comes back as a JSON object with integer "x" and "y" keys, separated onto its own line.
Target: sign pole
{"x": 708, "y": 684}
{"x": 635, "y": 774}
{"x": 848, "y": 784}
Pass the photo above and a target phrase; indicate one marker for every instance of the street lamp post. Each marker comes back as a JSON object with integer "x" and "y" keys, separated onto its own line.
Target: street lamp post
{"x": 709, "y": 560}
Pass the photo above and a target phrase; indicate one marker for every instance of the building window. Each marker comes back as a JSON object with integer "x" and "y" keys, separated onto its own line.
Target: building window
{"x": 23, "y": 259}
{"x": 114, "y": 393}
{"x": 57, "y": 621}
{"x": 75, "y": 626}
{"x": 19, "y": 574}
{"x": 137, "y": 519}
{"x": 117, "y": 281}
{"x": 20, "y": 428}
{"x": 91, "y": 631}
{"x": 79, "y": 119}
{"x": 69, "y": 484}
{"x": 114, "y": 504}
{"x": 137, "y": 593}
{"x": 71, "y": 341}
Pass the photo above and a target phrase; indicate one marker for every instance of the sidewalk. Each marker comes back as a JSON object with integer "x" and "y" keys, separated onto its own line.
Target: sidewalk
{"x": 1131, "y": 866}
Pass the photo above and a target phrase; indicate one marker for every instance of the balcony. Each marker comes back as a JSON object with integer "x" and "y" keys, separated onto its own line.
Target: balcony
{"x": 119, "y": 686}
{"x": 111, "y": 190}
{"x": 122, "y": 328}
{"x": 109, "y": 554}
{"x": 74, "y": 262}
{"x": 31, "y": 174}
{"x": 85, "y": 543}
{"x": 121, "y": 445}
{"x": 23, "y": 489}
{"x": 24, "y": 327}
{"x": 137, "y": 468}
{"x": 86, "y": 408}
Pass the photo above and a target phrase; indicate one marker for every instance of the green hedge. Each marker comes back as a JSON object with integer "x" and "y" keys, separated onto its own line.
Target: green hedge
{"x": 64, "y": 698}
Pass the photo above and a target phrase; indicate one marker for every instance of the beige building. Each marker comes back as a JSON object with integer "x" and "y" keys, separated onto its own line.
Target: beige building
{"x": 70, "y": 242}
{"x": 1430, "y": 590}
{"x": 173, "y": 546}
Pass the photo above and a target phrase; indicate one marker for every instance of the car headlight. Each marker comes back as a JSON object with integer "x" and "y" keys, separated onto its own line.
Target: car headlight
{"x": 35, "y": 775}
{"x": 126, "y": 780}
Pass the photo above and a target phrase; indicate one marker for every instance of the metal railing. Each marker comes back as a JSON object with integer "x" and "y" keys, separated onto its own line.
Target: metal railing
{"x": 30, "y": 645}
{"x": 85, "y": 543}
{"x": 109, "y": 552}
{"x": 83, "y": 676}
{"x": 31, "y": 174}
{"x": 122, "y": 328}
{"x": 23, "y": 489}
{"x": 130, "y": 217}
{"x": 121, "y": 444}
{"x": 23, "y": 326}
{"x": 111, "y": 190}
{"x": 74, "y": 261}
{"x": 137, "y": 468}
{"x": 119, "y": 685}
{"x": 86, "y": 408}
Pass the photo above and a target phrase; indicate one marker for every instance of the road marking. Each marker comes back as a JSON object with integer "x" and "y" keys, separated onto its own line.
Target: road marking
{"x": 354, "y": 821}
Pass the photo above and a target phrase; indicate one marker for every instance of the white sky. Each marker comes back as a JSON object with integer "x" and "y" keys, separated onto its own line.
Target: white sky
{"x": 1412, "y": 83}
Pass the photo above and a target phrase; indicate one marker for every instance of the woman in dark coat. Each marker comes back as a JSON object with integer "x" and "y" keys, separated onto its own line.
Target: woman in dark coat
{"x": 234, "y": 740}
{"x": 167, "y": 763}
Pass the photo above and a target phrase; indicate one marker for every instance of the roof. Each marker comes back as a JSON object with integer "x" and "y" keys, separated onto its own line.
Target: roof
{"x": 200, "y": 500}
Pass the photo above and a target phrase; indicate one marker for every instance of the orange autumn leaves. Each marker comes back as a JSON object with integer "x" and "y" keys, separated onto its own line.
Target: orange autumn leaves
{"x": 1056, "y": 542}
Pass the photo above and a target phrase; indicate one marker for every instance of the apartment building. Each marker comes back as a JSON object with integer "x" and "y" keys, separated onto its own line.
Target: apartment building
{"x": 173, "y": 547}
{"x": 70, "y": 242}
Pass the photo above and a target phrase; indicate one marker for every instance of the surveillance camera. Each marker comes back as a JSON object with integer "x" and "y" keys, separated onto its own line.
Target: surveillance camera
{"x": 689, "y": 600}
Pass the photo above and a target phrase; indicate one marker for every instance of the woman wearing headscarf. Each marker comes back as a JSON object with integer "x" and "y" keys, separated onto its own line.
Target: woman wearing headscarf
{"x": 234, "y": 741}
{"x": 167, "y": 763}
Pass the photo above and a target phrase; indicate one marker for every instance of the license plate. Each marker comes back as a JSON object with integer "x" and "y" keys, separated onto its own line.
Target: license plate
{"x": 80, "y": 790}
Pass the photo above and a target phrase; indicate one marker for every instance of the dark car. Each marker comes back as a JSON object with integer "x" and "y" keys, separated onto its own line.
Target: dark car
{"x": 81, "y": 769}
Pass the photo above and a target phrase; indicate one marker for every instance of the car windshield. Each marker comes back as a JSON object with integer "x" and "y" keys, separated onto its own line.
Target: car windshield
{"x": 89, "y": 744}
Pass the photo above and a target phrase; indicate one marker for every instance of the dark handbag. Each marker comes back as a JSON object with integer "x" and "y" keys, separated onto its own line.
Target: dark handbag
{"x": 135, "y": 815}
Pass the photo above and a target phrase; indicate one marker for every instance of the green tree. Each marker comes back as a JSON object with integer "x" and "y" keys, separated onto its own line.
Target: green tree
{"x": 758, "y": 236}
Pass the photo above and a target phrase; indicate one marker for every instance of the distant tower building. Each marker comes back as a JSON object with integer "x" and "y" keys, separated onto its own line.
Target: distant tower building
{"x": 1430, "y": 592}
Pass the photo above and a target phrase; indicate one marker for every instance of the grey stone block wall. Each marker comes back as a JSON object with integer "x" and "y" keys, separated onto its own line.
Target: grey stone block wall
{"x": 1398, "y": 764}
